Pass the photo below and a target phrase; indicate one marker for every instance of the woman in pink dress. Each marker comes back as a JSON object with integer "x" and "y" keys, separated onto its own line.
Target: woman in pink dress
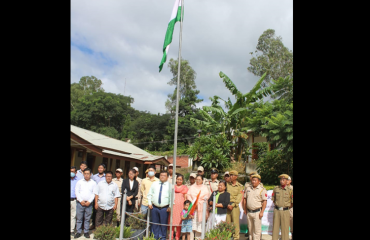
{"x": 180, "y": 197}
{"x": 192, "y": 195}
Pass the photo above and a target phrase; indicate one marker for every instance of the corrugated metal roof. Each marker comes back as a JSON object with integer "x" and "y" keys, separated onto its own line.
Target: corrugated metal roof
{"x": 134, "y": 156}
{"x": 108, "y": 142}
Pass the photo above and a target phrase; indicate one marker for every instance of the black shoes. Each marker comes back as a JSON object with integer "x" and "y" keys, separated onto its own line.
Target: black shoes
{"x": 78, "y": 235}
{"x": 72, "y": 233}
{"x": 86, "y": 235}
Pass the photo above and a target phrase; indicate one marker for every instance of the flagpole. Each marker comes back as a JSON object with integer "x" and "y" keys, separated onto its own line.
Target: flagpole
{"x": 176, "y": 124}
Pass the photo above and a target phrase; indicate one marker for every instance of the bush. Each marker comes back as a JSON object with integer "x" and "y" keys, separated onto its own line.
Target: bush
{"x": 126, "y": 232}
{"x": 104, "y": 232}
{"x": 151, "y": 237}
{"x": 136, "y": 223}
{"x": 217, "y": 234}
{"x": 225, "y": 226}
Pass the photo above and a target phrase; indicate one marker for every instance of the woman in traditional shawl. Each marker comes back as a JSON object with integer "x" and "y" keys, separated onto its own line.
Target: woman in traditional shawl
{"x": 192, "y": 194}
{"x": 180, "y": 197}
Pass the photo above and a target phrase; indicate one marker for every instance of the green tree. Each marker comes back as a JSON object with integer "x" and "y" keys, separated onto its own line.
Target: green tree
{"x": 231, "y": 122}
{"x": 274, "y": 120}
{"x": 86, "y": 86}
{"x": 272, "y": 57}
{"x": 187, "y": 102}
{"x": 101, "y": 110}
{"x": 76, "y": 93}
{"x": 187, "y": 77}
{"x": 91, "y": 84}
{"x": 212, "y": 150}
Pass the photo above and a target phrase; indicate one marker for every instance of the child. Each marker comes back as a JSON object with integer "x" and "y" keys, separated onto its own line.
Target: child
{"x": 186, "y": 227}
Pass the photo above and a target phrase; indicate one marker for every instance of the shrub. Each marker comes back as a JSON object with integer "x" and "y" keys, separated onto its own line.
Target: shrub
{"x": 104, "y": 232}
{"x": 126, "y": 232}
{"x": 136, "y": 223}
{"x": 217, "y": 234}
{"x": 151, "y": 237}
{"x": 225, "y": 226}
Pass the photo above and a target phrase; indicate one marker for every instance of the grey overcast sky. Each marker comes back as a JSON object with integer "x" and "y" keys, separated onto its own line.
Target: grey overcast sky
{"x": 123, "y": 39}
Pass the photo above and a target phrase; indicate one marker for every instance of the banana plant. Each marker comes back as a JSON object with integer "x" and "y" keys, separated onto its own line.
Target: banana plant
{"x": 232, "y": 120}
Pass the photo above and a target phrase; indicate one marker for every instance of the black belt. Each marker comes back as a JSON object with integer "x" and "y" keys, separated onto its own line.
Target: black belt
{"x": 161, "y": 207}
{"x": 278, "y": 208}
{"x": 72, "y": 199}
{"x": 252, "y": 211}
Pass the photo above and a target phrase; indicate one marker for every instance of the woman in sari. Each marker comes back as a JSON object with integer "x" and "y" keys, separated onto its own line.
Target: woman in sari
{"x": 192, "y": 194}
{"x": 180, "y": 196}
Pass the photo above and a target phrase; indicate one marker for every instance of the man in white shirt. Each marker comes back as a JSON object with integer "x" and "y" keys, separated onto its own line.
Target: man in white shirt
{"x": 80, "y": 172}
{"x": 106, "y": 199}
{"x": 85, "y": 196}
{"x": 159, "y": 201}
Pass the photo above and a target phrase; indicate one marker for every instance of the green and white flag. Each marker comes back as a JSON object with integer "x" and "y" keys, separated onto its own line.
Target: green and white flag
{"x": 175, "y": 17}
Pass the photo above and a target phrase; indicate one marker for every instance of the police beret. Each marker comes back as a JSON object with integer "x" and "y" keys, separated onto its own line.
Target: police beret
{"x": 284, "y": 176}
{"x": 233, "y": 172}
{"x": 214, "y": 170}
{"x": 252, "y": 173}
{"x": 256, "y": 176}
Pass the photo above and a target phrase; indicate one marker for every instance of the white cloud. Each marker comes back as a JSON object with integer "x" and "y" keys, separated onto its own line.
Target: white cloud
{"x": 117, "y": 40}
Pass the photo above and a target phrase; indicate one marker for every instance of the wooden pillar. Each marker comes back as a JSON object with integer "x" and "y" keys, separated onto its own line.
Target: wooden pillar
{"x": 73, "y": 156}
{"x": 84, "y": 155}
{"x": 111, "y": 160}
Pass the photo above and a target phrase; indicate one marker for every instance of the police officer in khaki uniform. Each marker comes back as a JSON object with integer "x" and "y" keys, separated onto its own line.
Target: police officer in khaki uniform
{"x": 233, "y": 211}
{"x": 191, "y": 180}
{"x": 118, "y": 180}
{"x": 255, "y": 204}
{"x": 212, "y": 184}
{"x": 247, "y": 184}
{"x": 288, "y": 183}
{"x": 282, "y": 196}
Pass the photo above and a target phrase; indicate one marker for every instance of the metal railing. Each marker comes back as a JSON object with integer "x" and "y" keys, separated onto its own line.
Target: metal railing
{"x": 205, "y": 204}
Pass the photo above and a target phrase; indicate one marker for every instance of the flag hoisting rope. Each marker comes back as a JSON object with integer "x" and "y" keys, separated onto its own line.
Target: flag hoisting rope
{"x": 177, "y": 15}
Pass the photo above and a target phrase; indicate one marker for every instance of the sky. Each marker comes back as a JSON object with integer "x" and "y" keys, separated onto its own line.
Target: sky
{"x": 121, "y": 41}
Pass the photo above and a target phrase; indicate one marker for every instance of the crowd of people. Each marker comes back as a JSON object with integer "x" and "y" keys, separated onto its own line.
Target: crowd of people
{"x": 155, "y": 194}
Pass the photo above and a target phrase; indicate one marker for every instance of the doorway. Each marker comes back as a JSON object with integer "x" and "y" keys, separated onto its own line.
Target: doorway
{"x": 90, "y": 159}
